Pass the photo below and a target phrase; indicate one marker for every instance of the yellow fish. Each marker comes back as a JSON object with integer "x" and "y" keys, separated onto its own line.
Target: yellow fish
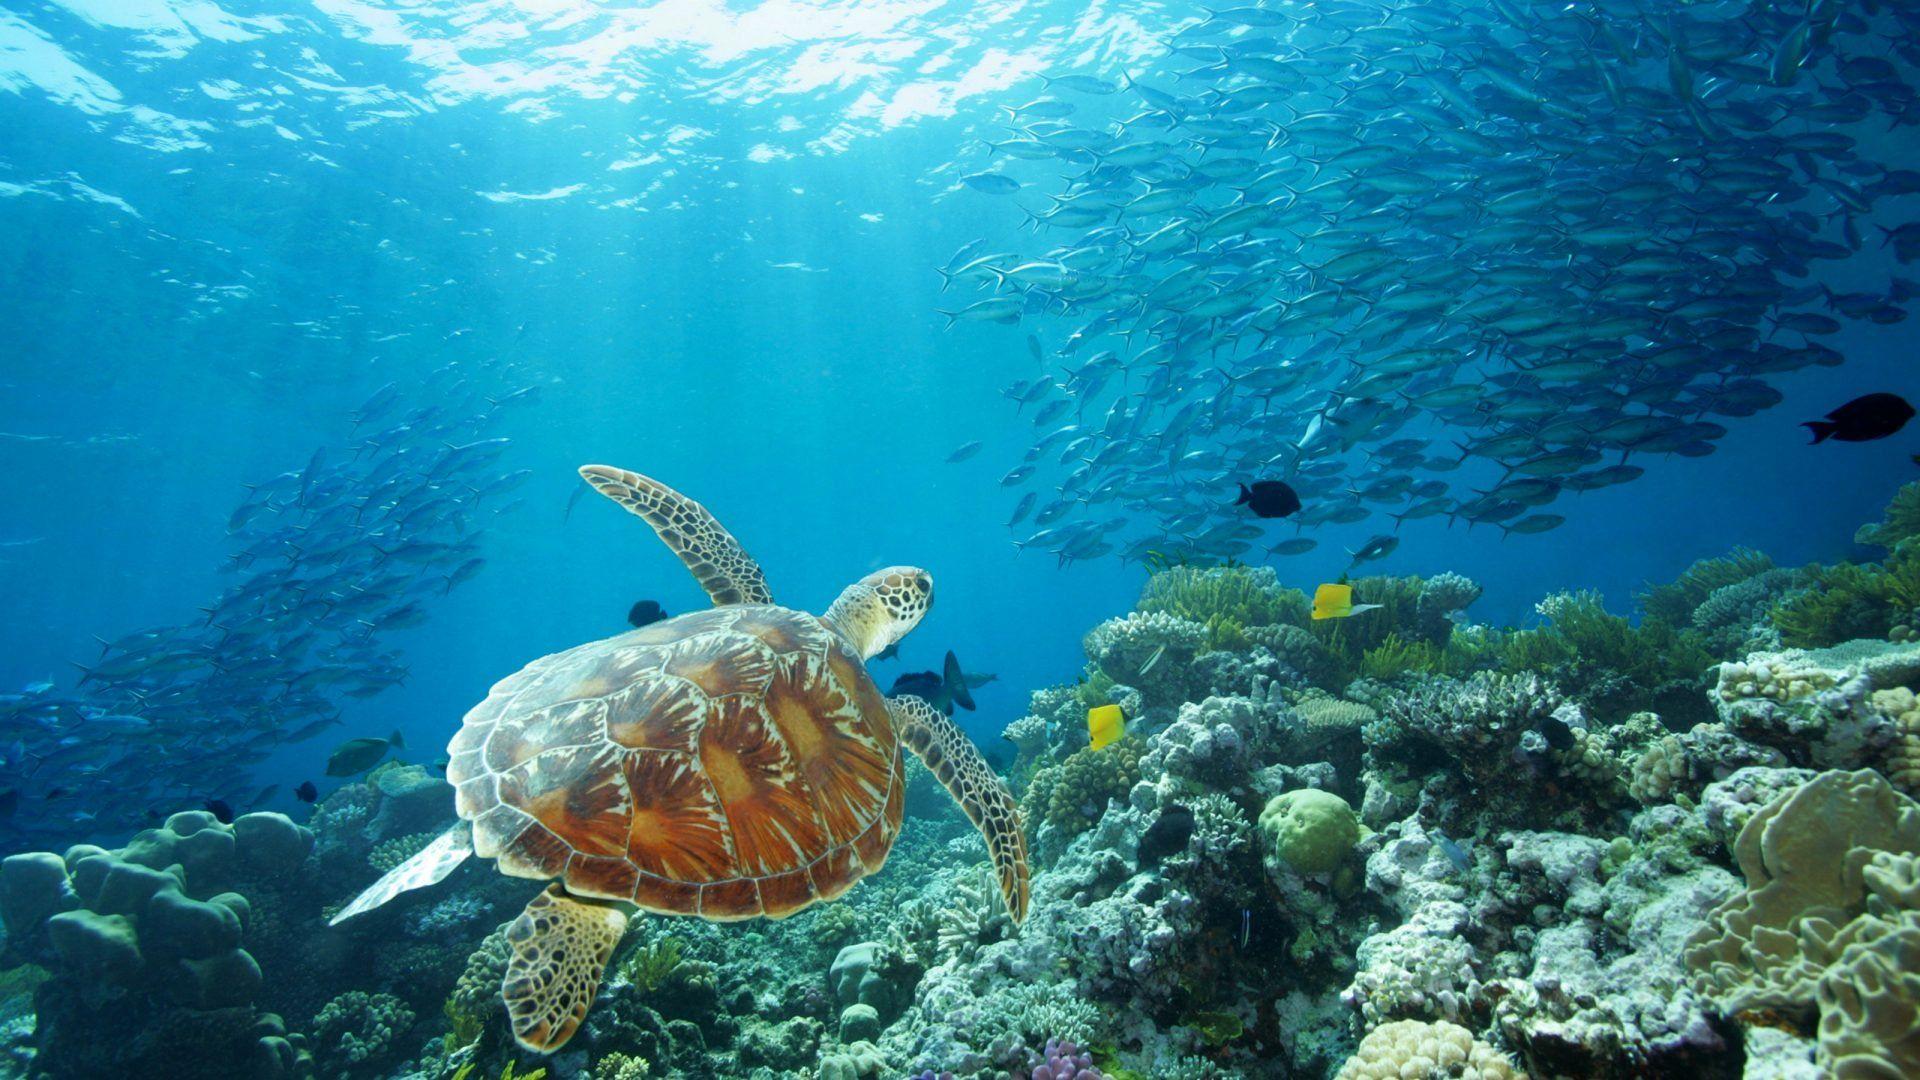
{"x": 1336, "y": 602}
{"x": 1105, "y": 725}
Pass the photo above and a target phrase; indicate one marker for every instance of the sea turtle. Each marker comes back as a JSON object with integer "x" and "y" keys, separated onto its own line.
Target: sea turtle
{"x": 727, "y": 763}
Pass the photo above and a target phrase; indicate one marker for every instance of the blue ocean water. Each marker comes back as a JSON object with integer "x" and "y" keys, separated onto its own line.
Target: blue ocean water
{"x": 326, "y": 301}
{"x": 707, "y": 234}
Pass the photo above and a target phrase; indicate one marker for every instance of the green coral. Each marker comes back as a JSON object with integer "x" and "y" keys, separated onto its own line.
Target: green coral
{"x": 1073, "y": 794}
{"x": 465, "y": 1072}
{"x": 358, "y": 1029}
{"x": 464, "y": 1025}
{"x": 1216, "y": 1029}
{"x": 834, "y": 925}
{"x": 1899, "y": 524}
{"x": 1309, "y": 830}
{"x": 477, "y": 991}
{"x": 1674, "y": 604}
{"x": 1848, "y": 601}
{"x": 1605, "y": 660}
{"x": 388, "y": 854}
{"x": 648, "y": 966}
{"x": 1226, "y": 600}
{"x": 1396, "y": 656}
{"x": 618, "y": 1066}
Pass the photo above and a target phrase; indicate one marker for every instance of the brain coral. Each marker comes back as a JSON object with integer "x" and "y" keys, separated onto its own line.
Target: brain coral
{"x": 1309, "y": 830}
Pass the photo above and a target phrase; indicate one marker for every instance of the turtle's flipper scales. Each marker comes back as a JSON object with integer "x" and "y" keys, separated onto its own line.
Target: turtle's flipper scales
{"x": 429, "y": 866}
{"x": 717, "y": 560}
{"x": 560, "y": 950}
{"x": 957, "y": 764}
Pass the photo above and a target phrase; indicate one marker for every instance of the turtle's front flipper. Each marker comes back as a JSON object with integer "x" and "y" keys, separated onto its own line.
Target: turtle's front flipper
{"x": 717, "y": 560}
{"x": 560, "y": 948}
{"x": 957, "y": 763}
{"x": 429, "y": 866}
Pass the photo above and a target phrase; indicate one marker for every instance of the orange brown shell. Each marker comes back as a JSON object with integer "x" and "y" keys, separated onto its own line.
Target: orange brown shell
{"x": 727, "y": 763}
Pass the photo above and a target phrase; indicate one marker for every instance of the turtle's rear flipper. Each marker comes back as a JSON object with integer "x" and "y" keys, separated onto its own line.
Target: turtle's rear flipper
{"x": 717, "y": 560}
{"x": 560, "y": 949}
{"x": 429, "y": 866}
{"x": 957, "y": 764}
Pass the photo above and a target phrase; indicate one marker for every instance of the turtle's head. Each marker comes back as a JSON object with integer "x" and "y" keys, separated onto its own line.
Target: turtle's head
{"x": 879, "y": 609}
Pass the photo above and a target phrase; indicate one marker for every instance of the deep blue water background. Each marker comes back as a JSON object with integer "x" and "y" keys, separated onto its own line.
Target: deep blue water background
{"x": 730, "y": 288}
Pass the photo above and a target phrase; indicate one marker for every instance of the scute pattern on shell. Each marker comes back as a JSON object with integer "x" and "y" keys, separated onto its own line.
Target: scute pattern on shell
{"x": 727, "y": 763}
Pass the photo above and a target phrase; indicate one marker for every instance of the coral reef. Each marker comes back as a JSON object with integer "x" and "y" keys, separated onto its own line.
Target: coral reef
{"x": 1416, "y": 1050}
{"x": 1829, "y": 922}
{"x": 143, "y": 945}
{"x": 1396, "y": 844}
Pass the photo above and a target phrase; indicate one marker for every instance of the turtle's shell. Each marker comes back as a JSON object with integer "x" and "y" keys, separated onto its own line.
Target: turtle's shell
{"x": 728, "y": 763}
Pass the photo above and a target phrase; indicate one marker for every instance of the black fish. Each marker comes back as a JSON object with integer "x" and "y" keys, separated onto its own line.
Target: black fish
{"x": 1558, "y": 733}
{"x": 1863, "y": 419}
{"x": 942, "y": 689}
{"x": 891, "y": 652}
{"x": 646, "y": 613}
{"x": 221, "y": 812}
{"x": 9, "y": 802}
{"x": 306, "y": 792}
{"x": 1268, "y": 499}
{"x": 1166, "y": 836}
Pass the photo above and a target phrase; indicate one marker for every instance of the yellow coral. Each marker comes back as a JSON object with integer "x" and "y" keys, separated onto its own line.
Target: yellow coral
{"x": 1417, "y": 1050}
{"x": 1903, "y": 754}
{"x": 1829, "y": 922}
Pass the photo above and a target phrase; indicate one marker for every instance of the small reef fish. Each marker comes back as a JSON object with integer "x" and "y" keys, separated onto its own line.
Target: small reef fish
{"x": 1269, "y": 499}
{"x": 1168, "y": 835}
{"x": 355, "y": 756}
{"x": 1455, "y": 853}
{"x": 1336, "y": 602}
{"x": 306, "y": 792}
{"x": 1105, "y": 725}
{"x": 1377, "y": 548}
{"x": 1158, "y": 652}
{"x": 645, "y": 613}
{"x": 1864, "y": 419}
{"x": 942, "y": 689}
{"x": 221, "y": 810}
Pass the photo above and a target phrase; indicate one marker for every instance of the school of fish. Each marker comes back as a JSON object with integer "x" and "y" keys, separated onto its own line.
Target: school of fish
{"x": 329, "y": 560}
{"x": 1432, "y": 260}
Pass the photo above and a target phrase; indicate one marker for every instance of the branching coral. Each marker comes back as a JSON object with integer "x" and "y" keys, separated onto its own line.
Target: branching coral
{"x": 975, "y": 916}
{"x": 648, "y": 966}
{"x": 1848, "y": 601}
{"x": 1675, "y": 604}
{"x": 1072, "y": 795}
{"x": 388, "y": 854}
{"x": 1226, "y": 601}
{"x": 1396, "y": 656}
{"x": 1606, "y": 661}
{"x": 358, "y": 1029}
{"x": 1900, "y": 523}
